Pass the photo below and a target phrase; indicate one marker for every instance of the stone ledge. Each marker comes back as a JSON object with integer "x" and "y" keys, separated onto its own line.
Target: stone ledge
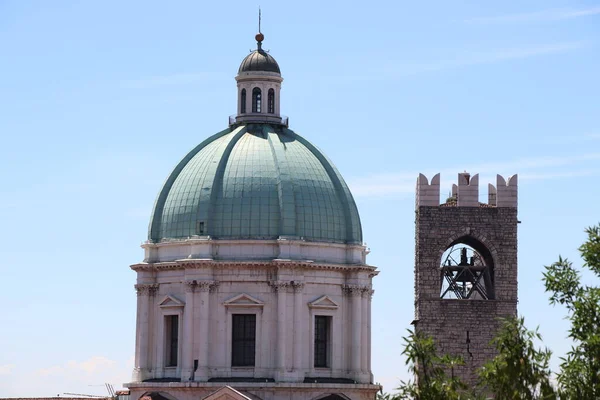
{"x": 240, "y": 385}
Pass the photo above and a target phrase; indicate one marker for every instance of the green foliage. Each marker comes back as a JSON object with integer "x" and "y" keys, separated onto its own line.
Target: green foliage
{"x": 519, "y": 371}
{"x": 579, "y": 377}
{"x": 430, "y": 369}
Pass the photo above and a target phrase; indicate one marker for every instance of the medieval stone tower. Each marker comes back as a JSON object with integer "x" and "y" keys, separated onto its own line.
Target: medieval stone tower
{"x": 465, "y": 266}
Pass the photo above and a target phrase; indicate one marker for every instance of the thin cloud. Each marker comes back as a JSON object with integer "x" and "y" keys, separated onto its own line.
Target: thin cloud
{"x": 90, "y": 366}
{"x": 466, "y": 60}
{"x": 535, "y": 168}
{"x": 7, "y": 369}
{"x": 168, "y": 80}
{"x": 555, "y": 14}
{"x": 402, "y": 69}
{"x": 557, "y": 175}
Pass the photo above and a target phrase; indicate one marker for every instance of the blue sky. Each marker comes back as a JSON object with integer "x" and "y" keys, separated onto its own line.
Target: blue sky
{"x": 101, "y": 99}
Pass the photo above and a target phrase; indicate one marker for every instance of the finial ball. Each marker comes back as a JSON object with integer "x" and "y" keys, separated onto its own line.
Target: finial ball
{"x": 259, "y": 37}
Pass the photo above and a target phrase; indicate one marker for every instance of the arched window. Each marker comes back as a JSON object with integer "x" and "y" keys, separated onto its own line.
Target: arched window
{"x": 256, "y": 100}
{"x": 271, "y": 99}
{"x": 467, "y": 271}
{"x": 243, "y": 102}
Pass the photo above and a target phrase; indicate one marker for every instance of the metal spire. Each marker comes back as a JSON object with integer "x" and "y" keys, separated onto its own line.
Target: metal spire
{"x": 259, "y": 36}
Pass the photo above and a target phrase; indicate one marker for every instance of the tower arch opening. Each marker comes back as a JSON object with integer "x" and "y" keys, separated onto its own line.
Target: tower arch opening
{"x": 467, "y": 271}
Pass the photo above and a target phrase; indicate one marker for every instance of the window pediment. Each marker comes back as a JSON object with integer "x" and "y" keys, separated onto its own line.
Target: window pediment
{"x": 227, "y": 393}
{"x": 243, "y": 300}
{"x": 324, "y": 302}
{"x": 170, "y": 301}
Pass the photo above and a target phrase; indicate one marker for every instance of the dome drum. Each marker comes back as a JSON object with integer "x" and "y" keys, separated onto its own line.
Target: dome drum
{"x": 298, "y": 250}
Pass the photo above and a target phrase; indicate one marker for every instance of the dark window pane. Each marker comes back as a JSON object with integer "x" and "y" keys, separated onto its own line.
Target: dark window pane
{"x": 271, "y": 101}
{"x": 322, "y": 342}
{"x": 243, "y": 102}
{"x": 172, "y": 339}
{"x": 243, "y": 337}
{"x": 256, "y": 100}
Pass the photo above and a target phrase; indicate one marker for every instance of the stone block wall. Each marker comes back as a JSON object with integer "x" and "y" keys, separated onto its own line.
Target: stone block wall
{"x": 466, "y": 327}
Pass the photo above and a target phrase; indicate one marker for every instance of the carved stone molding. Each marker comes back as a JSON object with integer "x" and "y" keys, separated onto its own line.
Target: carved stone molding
{"x": 207, "y": 286}
{"x": 297, "y": 286}
{"x": 281, "y": 286}
{"x": 355, "y": 290}
{"x": 274, "y": 264}
{"x": 190, "y": 286}
{"x": 149, "y": 289}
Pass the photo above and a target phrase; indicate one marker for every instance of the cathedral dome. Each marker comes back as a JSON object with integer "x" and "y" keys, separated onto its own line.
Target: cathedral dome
{"x": 256, "y": 181}
{"x": 259, "y": 60}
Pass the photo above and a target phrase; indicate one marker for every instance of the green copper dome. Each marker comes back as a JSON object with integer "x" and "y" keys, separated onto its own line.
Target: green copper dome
{"x": 256, "y": 181}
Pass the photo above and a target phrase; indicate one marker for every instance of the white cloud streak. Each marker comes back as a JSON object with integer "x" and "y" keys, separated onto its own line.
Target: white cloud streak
{"x": 555, "y": 14}
{"x": 397, "y": 70}
{"x": 535, "y": 168}
{"x": 465, "y": 60}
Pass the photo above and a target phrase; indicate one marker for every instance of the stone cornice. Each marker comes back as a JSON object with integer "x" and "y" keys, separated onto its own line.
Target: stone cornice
{"x": 276, "y": 263}
{"x": 274, "y": 385}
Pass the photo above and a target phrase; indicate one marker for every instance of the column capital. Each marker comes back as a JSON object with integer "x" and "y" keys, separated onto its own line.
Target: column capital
{"x": 207, "y": 286}
{"x": 280, "y": 286}
{"x": 298, "y": 286}
{"x": 146, "y": 289}
{"x": 356, "y": 290}
{"x": 190, "y": 286}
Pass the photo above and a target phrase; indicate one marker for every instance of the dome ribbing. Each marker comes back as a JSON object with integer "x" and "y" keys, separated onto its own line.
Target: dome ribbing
{"x": 259, "y": 60}
{"x": 256, "y": 181}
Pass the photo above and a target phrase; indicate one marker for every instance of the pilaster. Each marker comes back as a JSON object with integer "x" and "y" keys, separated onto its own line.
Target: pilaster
{"x": 299, "y": 329}
{"x": 282, "y": 288}
{"x": 188, "y": 332}
{"x": 144, "y": 292}
{"x": 204, "y": 288}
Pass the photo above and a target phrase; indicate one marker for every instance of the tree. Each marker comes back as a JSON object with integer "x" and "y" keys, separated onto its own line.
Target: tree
{"x": 579, "y": 376}
{"x": 519, "y": 371}
{"x": 430, "y": 370}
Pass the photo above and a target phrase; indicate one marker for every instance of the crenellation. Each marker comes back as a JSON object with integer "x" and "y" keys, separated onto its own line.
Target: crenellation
{"x": 492, "y": 194}
{"x": 466, "y": 193}
{"x": 468, "y": 190}
{"x": 507, "y": 191}
{"x": 428, "y": 194}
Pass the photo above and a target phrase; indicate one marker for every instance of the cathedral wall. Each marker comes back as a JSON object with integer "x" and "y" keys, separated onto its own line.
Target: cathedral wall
{"x": 206, "y": 296}
{"x": 262, "y": 391}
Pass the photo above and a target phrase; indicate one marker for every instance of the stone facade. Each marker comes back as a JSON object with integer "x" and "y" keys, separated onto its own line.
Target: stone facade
{"x": 285, "y": 295}
{"x": 465, "y": 327}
